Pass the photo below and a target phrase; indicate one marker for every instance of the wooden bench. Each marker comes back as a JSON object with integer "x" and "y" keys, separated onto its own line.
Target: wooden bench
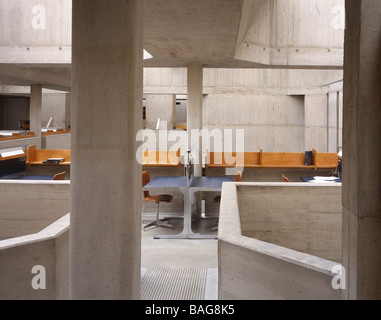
{"x": 38, "y": 157}
{"x": 161, "y": 159}
{"x": 284, "y": 161}
{"x": 326, "y": 160}
{"x": 272, "y": 160}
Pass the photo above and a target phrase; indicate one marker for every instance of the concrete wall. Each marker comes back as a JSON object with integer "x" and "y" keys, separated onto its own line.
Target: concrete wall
{"x": 21, "y": 142}
{"x": 27, "y": 207}
{"x": 270, "y": 122}
{"x": 57, "y": 142}
{"x": 258, "y": 175}
{"x": 280, "y": 110}
{"x": 300, "y": 218}
{"x": 48, "y": 248}
{"x": 42, "y": 26}
{"x": 250, "y": 269}
{"x": 283, "y": 34}
{"x": 242, "y": 81}
{"x": 324, "y": 122}
{"x": 53, "y": 105}
{"x": 12, "y": 110}
{"x": 161, "y": 107}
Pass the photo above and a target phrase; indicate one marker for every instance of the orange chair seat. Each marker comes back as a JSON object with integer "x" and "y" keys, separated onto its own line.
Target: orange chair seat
{"x": 159, "y": 198}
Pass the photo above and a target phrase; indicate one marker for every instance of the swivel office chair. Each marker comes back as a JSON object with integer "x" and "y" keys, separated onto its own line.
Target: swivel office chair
{"x": 156, "y": 199}
{"x": 60, "y": 176}
{"x": 285, "y": 179}
{"x": 238, "y": 178}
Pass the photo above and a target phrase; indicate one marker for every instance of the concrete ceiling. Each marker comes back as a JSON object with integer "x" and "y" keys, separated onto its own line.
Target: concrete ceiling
{"x": 179, "y": 32}
{"x": 176, "y": 33}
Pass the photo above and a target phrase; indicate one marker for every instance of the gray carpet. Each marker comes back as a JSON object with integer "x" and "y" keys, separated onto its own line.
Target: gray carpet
{"x": 179, "y": 284}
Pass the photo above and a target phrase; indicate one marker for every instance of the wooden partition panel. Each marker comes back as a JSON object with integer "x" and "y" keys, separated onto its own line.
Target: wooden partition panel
{"x": 161, "y": 159}
{"x": 38, "y": 157}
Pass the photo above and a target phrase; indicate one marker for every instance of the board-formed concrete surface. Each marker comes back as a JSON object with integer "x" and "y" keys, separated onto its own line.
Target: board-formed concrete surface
{"x": 250, "y": 269}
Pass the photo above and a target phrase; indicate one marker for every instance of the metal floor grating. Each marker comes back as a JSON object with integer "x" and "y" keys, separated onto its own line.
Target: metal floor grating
{"x": 176, "y": 284}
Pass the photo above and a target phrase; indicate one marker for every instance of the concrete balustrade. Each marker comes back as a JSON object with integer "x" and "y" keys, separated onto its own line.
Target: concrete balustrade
{"x": 47, "y": 250}
{"x": 34, "y": 232}
{"x": 28, "y": 207}
{"x": 269, "y": 234}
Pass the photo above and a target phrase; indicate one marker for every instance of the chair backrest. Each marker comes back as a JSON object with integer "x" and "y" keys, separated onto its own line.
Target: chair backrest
{"x": 60, "y": 176}
{"x": 145, "y": 180}
{"x": 285, "y": 179}
{"x": 238, "y": 177}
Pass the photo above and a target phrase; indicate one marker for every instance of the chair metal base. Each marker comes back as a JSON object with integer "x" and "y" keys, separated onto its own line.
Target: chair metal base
{"x": 159, "y": 223}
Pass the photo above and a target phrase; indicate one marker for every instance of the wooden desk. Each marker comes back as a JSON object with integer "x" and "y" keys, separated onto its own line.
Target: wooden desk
{"x": 12, "y": 164}
{"x": 188, "y": 189}
{"x": 38, "y": 157}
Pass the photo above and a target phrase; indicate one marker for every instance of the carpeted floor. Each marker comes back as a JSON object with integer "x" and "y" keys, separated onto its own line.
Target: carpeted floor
{"x": 179, "y": 284}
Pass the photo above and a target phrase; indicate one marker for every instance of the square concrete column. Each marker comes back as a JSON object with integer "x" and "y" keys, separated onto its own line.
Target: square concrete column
{"x": 194, "y": 113}
{"x": 362, "y": 150}
{"x": 106, "y": 181}
{"x": 36, "y": 110}
{"x": 67, "y": 111}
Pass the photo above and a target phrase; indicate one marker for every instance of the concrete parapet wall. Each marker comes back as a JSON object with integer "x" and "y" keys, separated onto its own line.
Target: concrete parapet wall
{"x": 250, "y": 269}
{"x": 258, "y": 175}
{"x": 57, "y": 142}
{"x": 28, "y": 207}
{"x": 20, "y": 142}
{"x": 306, "y": 219}
{"x": 48, "y": 249}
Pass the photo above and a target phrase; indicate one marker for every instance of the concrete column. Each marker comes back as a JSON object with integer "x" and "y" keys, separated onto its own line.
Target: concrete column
{"x": 194, "y": 113}
{"x": 36, "y": 110}
{"x": 332, "y": 122}
{"x": 107, "y": 94}
{"x": 362, "y": 150}
{"x": 67, "y": 111}
{"x": 316, "y": 122}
